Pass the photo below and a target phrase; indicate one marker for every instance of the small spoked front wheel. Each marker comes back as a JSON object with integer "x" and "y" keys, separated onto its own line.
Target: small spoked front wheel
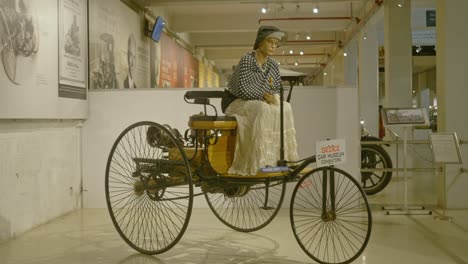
{"x": 149, "y": 190}
{"x": 247, "y": 208}
{"x": 330, "y": 216}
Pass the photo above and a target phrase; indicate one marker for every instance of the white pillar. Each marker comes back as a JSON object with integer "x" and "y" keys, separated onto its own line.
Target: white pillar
{"x": 452, "y": 92}
{"x": 351, "y": 64}
{"x": 369, "y": 78}
{"x": 398, "y": 57}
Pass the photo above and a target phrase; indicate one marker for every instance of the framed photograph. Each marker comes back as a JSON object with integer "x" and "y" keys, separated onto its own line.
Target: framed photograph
{"x": 73, "y": 55}
{"x": 404, "y": 116}
{"x": 445, "y": 148}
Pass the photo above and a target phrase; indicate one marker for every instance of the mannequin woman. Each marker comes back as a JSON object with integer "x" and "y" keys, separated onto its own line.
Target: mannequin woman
{"x": 252, "y": 97}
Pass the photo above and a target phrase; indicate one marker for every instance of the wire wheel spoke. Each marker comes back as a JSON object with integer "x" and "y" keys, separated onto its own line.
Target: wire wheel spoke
{"x": 149, "y": 190}
{"x": 375, "y": 157}
{"x": 330, "y": 216}
{"x": 252, "y": 210}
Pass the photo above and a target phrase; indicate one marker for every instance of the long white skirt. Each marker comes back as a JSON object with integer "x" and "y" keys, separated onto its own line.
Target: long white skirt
{"x": 258, "y": 135}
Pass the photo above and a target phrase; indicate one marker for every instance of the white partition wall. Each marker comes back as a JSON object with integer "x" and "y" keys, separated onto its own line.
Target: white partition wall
{"x": 40, "y": 173}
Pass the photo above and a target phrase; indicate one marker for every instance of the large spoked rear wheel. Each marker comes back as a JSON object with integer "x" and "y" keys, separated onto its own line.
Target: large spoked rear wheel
{"x": 375, "y": 157}
{"x": 149, "y": 188}
{"x": 248, "y": 208}
{"x": 330, "y": 216}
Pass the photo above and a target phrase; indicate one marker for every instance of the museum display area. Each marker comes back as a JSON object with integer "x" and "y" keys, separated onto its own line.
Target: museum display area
{"x": 93, "y": 169}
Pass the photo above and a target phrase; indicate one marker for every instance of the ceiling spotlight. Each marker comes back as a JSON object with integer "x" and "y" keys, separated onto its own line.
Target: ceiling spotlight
{"x": 291, "y": 51}
{"x": 325, "y": 73}
{"x": 264, "y": 10}
{"x": 418, "y": 49}
{"x": 364, "y": 36}
{"x": 301, "y": 52}
{"x": 308, "y": 37}
{"x": 315, "y": 9}
{"x": 345, "y": 54}
{"x": 295, "y": 63}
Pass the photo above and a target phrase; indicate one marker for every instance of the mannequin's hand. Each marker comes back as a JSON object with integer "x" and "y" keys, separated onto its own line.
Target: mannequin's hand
{"x": 270, "y": 98}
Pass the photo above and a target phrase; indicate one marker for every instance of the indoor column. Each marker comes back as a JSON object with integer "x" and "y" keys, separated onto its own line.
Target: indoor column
{"x": 398, "y": 57}
{"x": 452, "y": 90}
{"x": 369, "y": 78}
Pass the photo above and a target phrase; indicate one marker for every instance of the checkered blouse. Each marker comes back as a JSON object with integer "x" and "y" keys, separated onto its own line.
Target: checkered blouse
{"x": 249, "y": 81}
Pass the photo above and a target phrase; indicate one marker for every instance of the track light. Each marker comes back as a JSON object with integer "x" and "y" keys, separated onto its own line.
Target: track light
{"x": 301, "y": 52}
{"x": 418, "y": 49}
{"x": 400, "y": 3}
{"x": 345, "y": 54}
{"x": 315, "y": 9}
{"x": 296, "y": 63}
{"x": 264, "y": 10}
{"x": 291, "y": 51}
{"x": 308, "y": 37}
{"x": 364, "y": 36}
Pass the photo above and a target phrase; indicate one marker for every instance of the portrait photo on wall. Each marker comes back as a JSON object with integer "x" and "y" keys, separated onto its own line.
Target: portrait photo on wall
{"x": 129, "y": 81}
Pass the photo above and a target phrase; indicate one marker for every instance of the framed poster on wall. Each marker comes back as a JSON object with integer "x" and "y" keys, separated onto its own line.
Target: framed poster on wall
{"x": 72, "y": 47}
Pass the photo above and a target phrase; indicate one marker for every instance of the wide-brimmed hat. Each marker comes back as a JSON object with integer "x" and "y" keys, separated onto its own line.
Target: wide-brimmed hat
{"x": 269, "y": 32}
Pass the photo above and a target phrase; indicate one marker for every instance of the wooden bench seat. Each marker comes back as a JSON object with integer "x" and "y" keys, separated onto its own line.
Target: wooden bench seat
{"x": 212, "y": 122}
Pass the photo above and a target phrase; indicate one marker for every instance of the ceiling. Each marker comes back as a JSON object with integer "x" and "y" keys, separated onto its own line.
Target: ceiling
{"x": 223, "y": 30}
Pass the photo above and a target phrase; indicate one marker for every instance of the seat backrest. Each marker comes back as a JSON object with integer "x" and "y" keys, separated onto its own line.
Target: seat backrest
{"x": 204, "y": 94}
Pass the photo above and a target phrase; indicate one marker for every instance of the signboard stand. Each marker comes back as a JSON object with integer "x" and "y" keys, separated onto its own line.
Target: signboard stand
{"x": 445, "y": 150}
{"x": 405, "y": 118}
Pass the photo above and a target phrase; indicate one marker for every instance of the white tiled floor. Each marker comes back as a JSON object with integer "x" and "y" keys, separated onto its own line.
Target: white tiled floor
{"x": 88, "y": 236}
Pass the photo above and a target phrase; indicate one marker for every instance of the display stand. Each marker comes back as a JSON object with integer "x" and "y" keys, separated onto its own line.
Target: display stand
{"x": 445, "y": 150}
{"x": 405, "y": 118}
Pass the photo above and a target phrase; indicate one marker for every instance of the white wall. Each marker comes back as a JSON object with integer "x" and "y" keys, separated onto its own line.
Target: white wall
{"x": 40, "y": 173}
{"x": 315, "y": 111}
{"x": 35, "y": 93}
